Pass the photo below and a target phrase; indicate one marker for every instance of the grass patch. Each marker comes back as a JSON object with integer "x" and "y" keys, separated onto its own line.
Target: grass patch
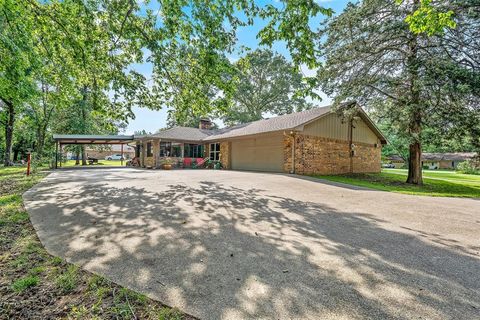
{"x": 24, "y": 283}
{"x": 114, "y": 163}
{"x": 74, "y": 293}
{"x": 436, "y": 183}
{"x": 68, "y": 280}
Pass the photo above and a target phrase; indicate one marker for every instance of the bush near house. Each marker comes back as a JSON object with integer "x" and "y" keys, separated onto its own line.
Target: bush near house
{"x": 469, "y": 167}
{"x": 36, "y": 285}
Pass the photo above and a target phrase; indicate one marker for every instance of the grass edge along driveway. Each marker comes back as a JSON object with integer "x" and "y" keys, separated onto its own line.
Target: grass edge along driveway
{"x": 37, "y": 285}
{"x": 435, "y": 183}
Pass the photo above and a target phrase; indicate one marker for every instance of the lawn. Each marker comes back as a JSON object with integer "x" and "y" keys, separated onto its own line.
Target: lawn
{"x": 114, "y": 163}
{"x": 436, "y": 183}
{"x": 36, "y": 285}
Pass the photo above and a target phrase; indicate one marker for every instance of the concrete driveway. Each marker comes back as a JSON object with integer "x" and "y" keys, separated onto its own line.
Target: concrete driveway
{"x": 238, "y": 245}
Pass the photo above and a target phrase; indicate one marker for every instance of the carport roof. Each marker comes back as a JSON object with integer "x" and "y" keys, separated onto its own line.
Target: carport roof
{"x": 92, "y": 139}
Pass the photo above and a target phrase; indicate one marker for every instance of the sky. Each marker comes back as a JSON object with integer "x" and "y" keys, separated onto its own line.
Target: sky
{"x": 151, "y": 120}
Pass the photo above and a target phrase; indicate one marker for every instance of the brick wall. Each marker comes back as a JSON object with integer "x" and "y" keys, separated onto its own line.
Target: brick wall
{"x": 225, "y": 154}
{"x": 318, "y": 155}
{"x": 152, "y": 161}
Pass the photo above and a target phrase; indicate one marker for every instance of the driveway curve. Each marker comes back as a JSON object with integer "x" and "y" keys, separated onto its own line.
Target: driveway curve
{"x": 243, "y": 245}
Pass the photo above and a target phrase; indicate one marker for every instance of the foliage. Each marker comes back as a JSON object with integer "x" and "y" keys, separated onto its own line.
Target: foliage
{"x": 267, "y": 85}
{"x": 436, "y": 183}
{"x": 469, "y": 167}
{"x": 69, "y": 66}
{"x": 413, "y": 80}
{"x": 429, "y": 19}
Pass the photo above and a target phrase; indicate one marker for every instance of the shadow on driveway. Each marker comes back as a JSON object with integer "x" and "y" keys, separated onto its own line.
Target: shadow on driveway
{"x": 217, "y": 251}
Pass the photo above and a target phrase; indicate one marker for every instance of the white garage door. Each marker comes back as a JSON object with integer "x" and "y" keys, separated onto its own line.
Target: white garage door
{"x": 258, "y": 154}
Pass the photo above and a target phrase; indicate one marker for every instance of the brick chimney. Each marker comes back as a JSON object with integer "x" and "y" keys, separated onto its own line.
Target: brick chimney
{"x": 205, "y": 124}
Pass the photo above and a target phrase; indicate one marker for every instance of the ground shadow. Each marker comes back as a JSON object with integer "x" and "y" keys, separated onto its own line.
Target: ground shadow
{"x": 218, "y": 251}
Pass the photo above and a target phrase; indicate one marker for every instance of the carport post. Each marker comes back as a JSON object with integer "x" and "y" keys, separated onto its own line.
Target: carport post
{"x": 56, "y": 155}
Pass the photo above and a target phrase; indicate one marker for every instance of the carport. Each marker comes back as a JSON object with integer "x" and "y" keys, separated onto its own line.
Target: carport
{"x": 66, "y": 139}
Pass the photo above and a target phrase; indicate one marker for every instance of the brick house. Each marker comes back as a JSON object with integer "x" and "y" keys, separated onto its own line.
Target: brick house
{"x": 316, "y": 141}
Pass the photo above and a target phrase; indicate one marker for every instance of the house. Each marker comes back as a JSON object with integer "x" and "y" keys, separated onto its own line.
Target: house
{"x": 449, "y": 160}
{"x": 316, "y": 141}
{"x": 397, "y": 161}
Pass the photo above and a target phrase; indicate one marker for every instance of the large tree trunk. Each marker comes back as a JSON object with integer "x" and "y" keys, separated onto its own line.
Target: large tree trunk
{"x": 77, "y": 157}
{"x": 415, "y": 164}
{"x": 415, "y": 128}
{"x": 9, "y": 132}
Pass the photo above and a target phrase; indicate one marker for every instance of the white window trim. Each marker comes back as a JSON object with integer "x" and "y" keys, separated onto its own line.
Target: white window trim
{"x": 215, "y": 153}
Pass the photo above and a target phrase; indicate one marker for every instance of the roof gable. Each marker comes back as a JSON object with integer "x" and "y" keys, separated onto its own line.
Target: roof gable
{"x": 292, "y": 121}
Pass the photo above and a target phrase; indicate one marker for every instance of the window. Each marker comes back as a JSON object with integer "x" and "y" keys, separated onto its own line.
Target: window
{"x": 149, "y": 149}
{"x": 215, "y": 151}
{"x": 165, "y": 149}
{"x": 193, "y": 150}
{"x": 170, "y": 149}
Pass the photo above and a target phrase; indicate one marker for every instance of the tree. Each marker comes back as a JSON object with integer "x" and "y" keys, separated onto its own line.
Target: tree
{"x": 412, "y": 79}
{"x": 79, "y": 56}
{"x": 188, "y": 42}
{"x": 17, "y": 65}
{"x": 267, "y": 84}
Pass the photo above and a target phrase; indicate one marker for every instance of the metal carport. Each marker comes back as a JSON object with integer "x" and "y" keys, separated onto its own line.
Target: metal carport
{"x": 63, "y": 139}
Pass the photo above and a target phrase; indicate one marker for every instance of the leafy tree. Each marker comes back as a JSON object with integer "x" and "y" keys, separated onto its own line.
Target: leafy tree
{"x": 77, "y": 56}
{"x": 431, "y": 18}
{"x": 267, "y": 84}
{"x": 188, "y": 42}
{"x": 17, "y": 65}
{"x": 414, "y": 80}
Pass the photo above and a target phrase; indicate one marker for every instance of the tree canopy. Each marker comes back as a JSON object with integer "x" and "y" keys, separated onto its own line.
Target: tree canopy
{"x": 267, "y": 85}
{"x": 414, "y": 80}
{"x": 75, "y": 57}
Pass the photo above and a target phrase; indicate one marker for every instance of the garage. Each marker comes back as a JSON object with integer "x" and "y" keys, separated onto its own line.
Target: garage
{"x": 259, "y": 153}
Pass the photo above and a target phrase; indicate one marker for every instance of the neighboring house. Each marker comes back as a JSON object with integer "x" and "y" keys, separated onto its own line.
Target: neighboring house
{"x": 449, "y": 160}
{"x": 103, "y": 152}
{"x": 316, "y": 141}
{"x": 397, "y": 161}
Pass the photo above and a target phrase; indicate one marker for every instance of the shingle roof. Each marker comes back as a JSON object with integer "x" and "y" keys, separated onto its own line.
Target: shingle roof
{"x": 284, "y": 122}
{"x": 280, "y": 123}
{"x": 449, "y": 156}
{"x": 183, "y": 133}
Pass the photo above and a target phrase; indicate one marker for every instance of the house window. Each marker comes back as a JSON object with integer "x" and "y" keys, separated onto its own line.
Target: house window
{"x": 165, "y": 149}
{"x": 170, "y": 149}
{"x": 149, "y": 149}
{"x": 215, "y": 151}
{"x": 193, "y": 150}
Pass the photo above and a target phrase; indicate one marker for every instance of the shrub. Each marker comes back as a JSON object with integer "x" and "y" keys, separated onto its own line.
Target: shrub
{"x": 469, "y": 167}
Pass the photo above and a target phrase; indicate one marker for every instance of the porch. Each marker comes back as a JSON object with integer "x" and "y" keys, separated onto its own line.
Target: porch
{"x": 153, "y": 152}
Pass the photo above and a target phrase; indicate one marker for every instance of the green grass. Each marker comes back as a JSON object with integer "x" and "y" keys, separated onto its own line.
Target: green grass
{"x": 68, "y": 280}
{"x": 436, "y": 183}
{"x": 24, "y": 283}
{"x": 113, "y": 163}
{"x": 25, "y": 264}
